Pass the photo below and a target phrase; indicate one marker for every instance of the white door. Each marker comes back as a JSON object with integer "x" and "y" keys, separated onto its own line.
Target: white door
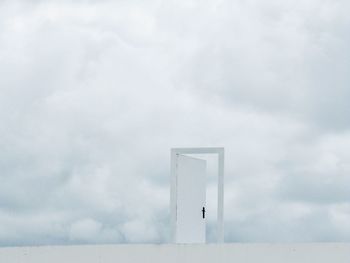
{"x": 190, "y": 203}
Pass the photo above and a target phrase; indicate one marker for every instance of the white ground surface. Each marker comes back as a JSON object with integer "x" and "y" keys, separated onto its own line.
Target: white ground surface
{"x": 237, "y": 253}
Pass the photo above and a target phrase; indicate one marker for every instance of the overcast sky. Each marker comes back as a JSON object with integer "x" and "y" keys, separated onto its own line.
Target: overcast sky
{"x": 93, "y": 94}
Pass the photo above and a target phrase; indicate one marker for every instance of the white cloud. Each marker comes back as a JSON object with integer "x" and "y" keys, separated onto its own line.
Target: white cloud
{"x": 93, "y": 94}
{"x": 85, "y": 230}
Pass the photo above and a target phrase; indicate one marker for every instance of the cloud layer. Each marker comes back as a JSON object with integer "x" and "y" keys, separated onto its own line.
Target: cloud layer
{"x": 93, "y": 94}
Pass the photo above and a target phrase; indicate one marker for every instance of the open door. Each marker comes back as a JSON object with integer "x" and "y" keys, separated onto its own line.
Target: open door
{"x": 190, "y": 201}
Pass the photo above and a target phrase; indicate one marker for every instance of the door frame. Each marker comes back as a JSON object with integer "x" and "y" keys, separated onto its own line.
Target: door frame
{"x": 173, "y": 189}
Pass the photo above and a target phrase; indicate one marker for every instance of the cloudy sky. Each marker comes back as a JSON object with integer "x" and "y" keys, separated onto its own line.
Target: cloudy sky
{"x": 93, "y": 94}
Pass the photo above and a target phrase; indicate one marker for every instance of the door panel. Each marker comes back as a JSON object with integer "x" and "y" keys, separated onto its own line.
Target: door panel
{"x": 190, "y": 224}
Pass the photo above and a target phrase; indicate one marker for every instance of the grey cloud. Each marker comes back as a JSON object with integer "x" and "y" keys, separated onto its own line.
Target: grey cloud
{"x": 288, "y": 58}
{"x": 94, "y": 94}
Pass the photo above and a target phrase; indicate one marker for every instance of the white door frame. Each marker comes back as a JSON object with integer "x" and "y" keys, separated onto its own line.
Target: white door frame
{"x": 173, "y": 190}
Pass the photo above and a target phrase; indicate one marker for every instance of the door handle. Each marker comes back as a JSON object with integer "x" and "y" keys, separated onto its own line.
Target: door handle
{"x": 203, "y": 212}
